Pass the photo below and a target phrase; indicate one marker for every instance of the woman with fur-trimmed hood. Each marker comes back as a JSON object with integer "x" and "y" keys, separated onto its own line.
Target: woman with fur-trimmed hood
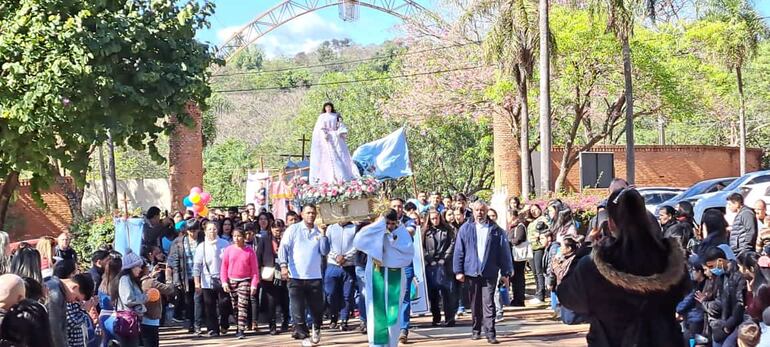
{"x": 629, "y": 287}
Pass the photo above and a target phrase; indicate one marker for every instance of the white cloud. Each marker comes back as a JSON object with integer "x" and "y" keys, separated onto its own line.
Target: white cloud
{"x": 302, "y": 34}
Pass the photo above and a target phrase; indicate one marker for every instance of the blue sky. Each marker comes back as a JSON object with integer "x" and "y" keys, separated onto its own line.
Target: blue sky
{"x": 304, "y": 33}
{"x": 307, "y": 32}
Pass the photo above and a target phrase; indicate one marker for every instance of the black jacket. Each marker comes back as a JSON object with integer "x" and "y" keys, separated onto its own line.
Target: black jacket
{"x": 439, "y": 245}
{"x": 626, "y": 309}
{"x": 681, "y": 231}
{"x": 726, "y": 307}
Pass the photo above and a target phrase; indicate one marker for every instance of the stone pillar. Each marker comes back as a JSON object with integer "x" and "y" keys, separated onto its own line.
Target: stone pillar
{"x": 506, "y": 156}
{"x": 185, "y": 157}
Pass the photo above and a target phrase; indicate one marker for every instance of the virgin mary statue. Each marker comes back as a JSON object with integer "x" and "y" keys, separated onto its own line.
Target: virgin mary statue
{"x": 329, "y": 155}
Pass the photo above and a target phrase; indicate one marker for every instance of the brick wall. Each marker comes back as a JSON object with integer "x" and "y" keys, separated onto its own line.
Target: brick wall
{"x": 506, "y": 157}
{"x": 185, "y": 158}
{"x": 26, "y": 220}
{"x": 670, "y": 166}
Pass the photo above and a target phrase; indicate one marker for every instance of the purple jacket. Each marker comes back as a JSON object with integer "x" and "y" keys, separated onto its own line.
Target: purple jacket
{"x": 497, "y": 257}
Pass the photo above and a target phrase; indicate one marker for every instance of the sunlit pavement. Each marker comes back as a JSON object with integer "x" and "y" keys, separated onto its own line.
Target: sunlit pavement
{"x": 531, "y": 326}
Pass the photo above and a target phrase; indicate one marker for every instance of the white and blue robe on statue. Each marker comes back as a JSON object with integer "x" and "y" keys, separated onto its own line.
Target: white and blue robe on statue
{"x": 388, "y": 253}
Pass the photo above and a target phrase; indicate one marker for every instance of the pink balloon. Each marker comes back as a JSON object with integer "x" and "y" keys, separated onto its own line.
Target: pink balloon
{"x": 205, "y": 198}
{"x": 196, "y": 191}
{"x": 197, "y": 207}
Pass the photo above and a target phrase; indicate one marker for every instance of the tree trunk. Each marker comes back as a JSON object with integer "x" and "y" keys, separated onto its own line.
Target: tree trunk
{"x": 661, "y": 131}
{"x": 10, "y": 184}
{"x": 113, "y": 176}
{"x": 545, "y": 101}
{"x": 630, "y": 162}
{"x": 741, "y": 121}
{"x": 524, "y": 135}
{"x": 74, "y": 195}
{"x": 563, "y": 169}
{"x": 103, "y": 174}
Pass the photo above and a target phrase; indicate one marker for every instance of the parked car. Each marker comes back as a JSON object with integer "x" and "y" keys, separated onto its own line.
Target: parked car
{"x": 653, "y": 196}
{"x": 755, "y": 192}
{"x": 703, "y": 187}
{"x": 718, "y": 200}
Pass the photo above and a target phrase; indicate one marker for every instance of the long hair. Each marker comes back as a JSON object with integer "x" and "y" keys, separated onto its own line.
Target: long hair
{"x": 715, "y": 222}
{"x": 26, "y": 263}
{"x": 45, "y": 246}
{"x": 115, "y": 285}
{"x": 323, "y": 108}
{"x": 269, "y": 219}
{"x": 685, "y": 210}
{"x": 637, "y": 247}
{"x": 26, "y": 324}
{"x": 111, "y": 271}
{"x": 428, "y": 225}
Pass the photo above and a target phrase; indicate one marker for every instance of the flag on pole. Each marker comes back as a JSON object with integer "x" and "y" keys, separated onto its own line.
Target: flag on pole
{"x": 386, "y": 158}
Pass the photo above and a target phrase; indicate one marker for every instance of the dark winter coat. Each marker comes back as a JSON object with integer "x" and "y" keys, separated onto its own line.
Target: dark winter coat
{"x": 743, "y": 236}
{"x": 681, "y": 231}
{"x": 626, "y": 309}
{"x": 439, "y": 246}
{"x": 725, "y": 310}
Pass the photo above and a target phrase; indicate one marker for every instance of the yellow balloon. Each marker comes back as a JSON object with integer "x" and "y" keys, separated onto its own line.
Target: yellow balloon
{"x": 195, "y": 198}
{"x": 204, "y": 212}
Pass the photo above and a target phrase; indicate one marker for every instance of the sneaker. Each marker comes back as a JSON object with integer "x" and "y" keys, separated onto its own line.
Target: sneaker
{"x": 492, "y": 340}
{"x": 499, "y": 318}
{"x": 362, "y": 328}
{"x": 700, "y": 339}
{"x": 307, "y": 343}
{"x": 315, "y": 336}
{"x": 333, "y": 326}
{"x": 199, "y": 333}
{"x": 213, "y": 333}
{"x": 239, "y": 335}
{"x": 475, "y": 335}
{"x": 284, "y": 327}
{"x": 273, "y": 330}
{"x": 450, "y": 324}
{"x": 403, "y": 337}
{"x": 344, "y": 326}
{"x": 535, "y": 301}
{"x": 177, "y": 320}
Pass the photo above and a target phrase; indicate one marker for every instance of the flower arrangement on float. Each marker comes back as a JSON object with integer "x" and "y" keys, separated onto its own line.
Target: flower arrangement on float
{"x": 358, "y": 188}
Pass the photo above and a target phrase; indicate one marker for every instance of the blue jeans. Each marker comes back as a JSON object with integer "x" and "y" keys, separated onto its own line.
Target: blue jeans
{"x": 338, "y": 286}
{"x": 361, "y": 284}
{"x": 406, "y": 310}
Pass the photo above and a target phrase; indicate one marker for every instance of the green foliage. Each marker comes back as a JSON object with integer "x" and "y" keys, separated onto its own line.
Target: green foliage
{"x": 283, "y": 79}
{"x": 250, "y": 58}
{"x": 92, "y": 235}
{"x": 73, "y": 69}
{"x": 226, "y": 165}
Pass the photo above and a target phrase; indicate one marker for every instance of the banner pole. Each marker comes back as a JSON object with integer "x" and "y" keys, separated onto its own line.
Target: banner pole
{"x": 411, "y": 166}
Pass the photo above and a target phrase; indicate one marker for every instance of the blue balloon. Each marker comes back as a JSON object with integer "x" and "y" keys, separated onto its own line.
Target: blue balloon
{"x": 187, "y": 202}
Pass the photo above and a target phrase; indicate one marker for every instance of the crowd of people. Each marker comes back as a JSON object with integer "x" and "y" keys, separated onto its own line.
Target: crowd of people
{"x": 625, "y": 272}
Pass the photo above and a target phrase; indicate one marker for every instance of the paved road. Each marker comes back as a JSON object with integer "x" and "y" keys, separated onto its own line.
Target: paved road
{"x": 531, "y": 326}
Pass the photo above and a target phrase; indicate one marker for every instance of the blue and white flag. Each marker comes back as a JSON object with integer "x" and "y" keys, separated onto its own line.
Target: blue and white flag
{"x": 386, "y": 158}
{"x": 128, "y": 234}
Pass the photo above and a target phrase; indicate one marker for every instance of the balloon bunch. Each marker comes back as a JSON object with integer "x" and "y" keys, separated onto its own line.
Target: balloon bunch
{"x": 197, "y": 201}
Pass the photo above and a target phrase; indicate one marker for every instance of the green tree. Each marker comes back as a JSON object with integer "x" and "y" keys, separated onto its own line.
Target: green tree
{"x": 731, "y": 32}
{"x": 248, "y": 59}
{"x": 226, "y": 165}
{"x": 512, "y": 42}
{"x": 621, "y": 15}
{"x": 83, "y": 68}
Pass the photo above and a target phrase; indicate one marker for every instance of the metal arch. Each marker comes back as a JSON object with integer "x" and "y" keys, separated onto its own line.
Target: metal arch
{"x": 289, "y": 9}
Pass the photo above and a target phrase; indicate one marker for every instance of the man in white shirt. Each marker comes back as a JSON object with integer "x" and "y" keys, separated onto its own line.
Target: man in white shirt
{"x": 481, "y": 255}
{"x": 300, "y": 256}
{"x": 340, "y": 274}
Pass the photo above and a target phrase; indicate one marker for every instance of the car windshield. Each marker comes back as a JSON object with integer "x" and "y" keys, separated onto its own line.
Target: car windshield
{"x": 738, "y": 182}
{"x": 694, "y": 190}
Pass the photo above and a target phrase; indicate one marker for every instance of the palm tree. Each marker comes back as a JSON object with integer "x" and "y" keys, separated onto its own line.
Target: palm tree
{"x": 731, "y": 31}
{"x": 545, "y": 100}
{"x": 620, "y": 16}
{"x": 512, "y": 42}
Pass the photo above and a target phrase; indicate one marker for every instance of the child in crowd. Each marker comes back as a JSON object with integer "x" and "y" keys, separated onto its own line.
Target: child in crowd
{"x": 690, "y": 311}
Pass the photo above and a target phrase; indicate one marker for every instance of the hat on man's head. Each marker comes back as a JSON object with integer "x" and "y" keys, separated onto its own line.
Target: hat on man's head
{"x": 131, "y": 260}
